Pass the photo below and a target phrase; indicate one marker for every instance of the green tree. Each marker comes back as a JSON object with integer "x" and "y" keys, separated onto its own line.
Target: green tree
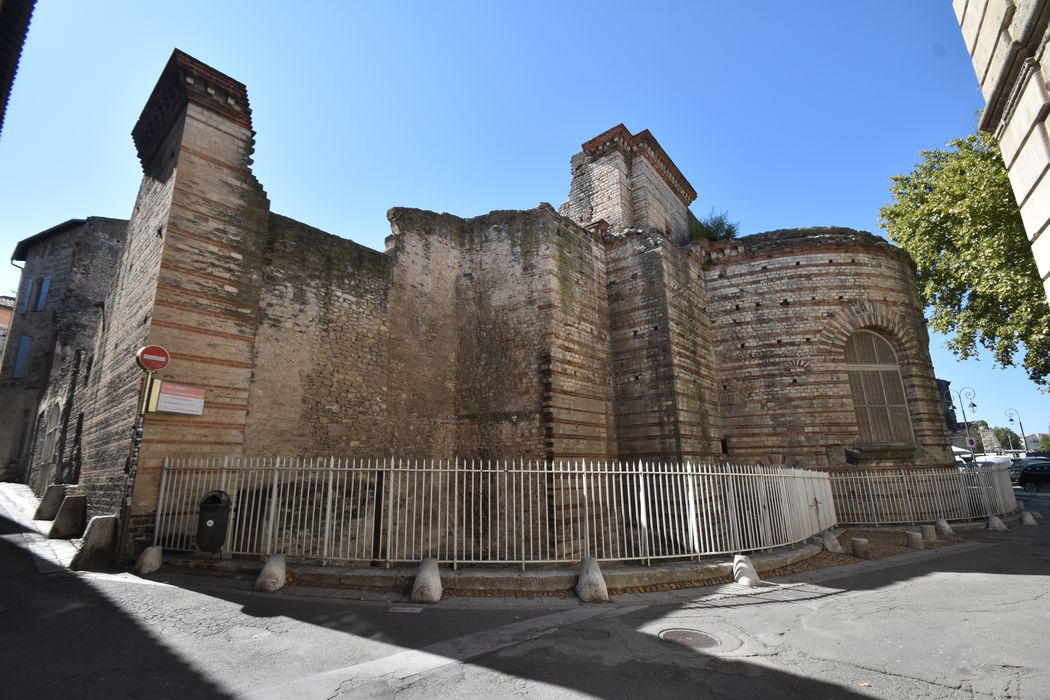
{"x": 956, "y": 215}
{"x": 1007, "y": 438}
{"x": 713, "y": 227}
{"x": 1044, "y": 442}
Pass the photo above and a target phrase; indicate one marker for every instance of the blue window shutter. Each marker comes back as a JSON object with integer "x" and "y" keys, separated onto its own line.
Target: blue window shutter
{"x": 25, "y": 344}
{"x": 41, "y": 298}
{"x": 27, "y": 292}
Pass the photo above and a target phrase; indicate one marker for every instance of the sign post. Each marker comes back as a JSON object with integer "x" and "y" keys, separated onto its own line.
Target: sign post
{"x": 151, "y": 358}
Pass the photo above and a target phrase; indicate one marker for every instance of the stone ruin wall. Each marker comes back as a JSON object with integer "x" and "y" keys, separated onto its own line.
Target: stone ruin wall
{"x": 514, "y": 334}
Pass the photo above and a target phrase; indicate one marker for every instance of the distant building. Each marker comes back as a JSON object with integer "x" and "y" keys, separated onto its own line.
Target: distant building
{"x": 7, "y": 309}
{"x": 67, "y": 272}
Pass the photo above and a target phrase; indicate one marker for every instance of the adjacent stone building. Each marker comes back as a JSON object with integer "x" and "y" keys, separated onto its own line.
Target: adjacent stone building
{"x": 1007, "y": 41}
{"x": 66, "y": 275}
{"x": 597, "y": 331}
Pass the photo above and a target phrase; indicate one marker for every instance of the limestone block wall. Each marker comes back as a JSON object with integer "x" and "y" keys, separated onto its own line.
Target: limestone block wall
{"x": 600, "y": 189}
{"x": 782, "y": 305}
{"x": 578, "y": 396}
{"x": 654, "y": 203}
{"x": 666, "y": 404}
{"x": 423, "y": 322}
{"x": 643, "y": 374}
{"x": 1007, "y": 42}
{"x": 321, "y": 352}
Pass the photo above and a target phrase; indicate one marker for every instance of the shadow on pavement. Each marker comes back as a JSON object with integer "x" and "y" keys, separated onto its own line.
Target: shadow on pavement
{"x": 61, "y": 638}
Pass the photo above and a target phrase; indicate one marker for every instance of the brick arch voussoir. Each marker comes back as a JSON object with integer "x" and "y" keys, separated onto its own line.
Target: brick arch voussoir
{"x": 831, "y": 345}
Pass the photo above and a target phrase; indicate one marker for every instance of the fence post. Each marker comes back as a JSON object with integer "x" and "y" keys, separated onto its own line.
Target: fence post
{"x": 389, "y": 515}
{"x": 586, "y": 512}
{"x": 694, "y": 515}
{"x": 455, "y": 516}
{"x": 271, "y": 526}
{"x": 225, "y": 469}
{"x": 160, "y": 499}
{"x": 643, "y": 519}
{"x": 328, "y": 513}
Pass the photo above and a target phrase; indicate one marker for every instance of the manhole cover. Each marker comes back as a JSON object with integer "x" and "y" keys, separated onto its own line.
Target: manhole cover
{"x": 690, "y": 638}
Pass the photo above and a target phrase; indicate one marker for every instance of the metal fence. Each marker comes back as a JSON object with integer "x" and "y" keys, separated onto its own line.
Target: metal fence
{"x": 900, "y": 496}
{"x": 353, "y": 510}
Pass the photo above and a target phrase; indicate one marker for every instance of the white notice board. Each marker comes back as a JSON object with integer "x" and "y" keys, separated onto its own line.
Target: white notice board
{"x": 180, "y": 398}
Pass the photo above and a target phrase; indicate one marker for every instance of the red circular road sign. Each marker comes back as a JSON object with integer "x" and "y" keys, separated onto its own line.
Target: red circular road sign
{"x": 152, "y": 358}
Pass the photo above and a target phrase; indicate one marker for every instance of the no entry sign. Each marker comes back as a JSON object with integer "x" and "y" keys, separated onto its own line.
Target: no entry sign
{"x": 152, "y": 358}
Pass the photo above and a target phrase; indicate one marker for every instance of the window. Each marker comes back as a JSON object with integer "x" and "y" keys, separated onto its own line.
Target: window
{"x": 41, "y": 293}
{"x": 25, "y": 343}
{"x": 27, "y": 292}
{"x": 878, "y": 392}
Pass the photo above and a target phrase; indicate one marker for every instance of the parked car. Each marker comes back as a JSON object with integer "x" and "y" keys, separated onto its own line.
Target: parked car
{"x": 1018, "y": 465}
{"x": 1034, "y": 476}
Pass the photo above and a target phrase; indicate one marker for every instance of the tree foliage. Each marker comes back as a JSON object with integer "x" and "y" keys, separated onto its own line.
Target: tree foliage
{"x": 956, "y": 215}
{"x": 713, "y": 227}
{"x": 1044, "y": 442}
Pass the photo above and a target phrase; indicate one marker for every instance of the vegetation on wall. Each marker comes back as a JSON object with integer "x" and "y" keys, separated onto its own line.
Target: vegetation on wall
{"x": 956, "y": 215}
{"x": 716, "y": 226}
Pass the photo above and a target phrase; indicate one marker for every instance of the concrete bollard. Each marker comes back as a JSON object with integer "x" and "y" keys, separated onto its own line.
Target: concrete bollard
{"x": 427, "y": 586}
{"x": 915, "y": 540}
{"x": 929, "y": 533}
{"x": 150, "y": 560}
{"x": 590, "y": 586}
{"x": 861, "y": 548}
{"x": 943, "y": 528}
{"x": 744, "y": 572}
{"x": 100, "y": 539}
{"x": 996, "y": 525}
{"x": 832, "y": 544}
{"x": 1028, "y": 519}
{"x": 273, "y": 575}
{"x": 69, "y": 520}
{"x": 50, "y": 503}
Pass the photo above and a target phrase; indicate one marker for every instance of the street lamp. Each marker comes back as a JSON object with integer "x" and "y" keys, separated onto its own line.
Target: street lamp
{"x": 965, "y": 394}
{"x": 1012, "y": 413}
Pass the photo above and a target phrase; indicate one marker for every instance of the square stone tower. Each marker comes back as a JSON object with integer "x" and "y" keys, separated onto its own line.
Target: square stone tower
{"x": 628, "y": 181}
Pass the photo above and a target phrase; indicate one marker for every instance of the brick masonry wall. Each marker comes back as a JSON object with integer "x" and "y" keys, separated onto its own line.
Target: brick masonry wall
{"x": 783, "y": 305}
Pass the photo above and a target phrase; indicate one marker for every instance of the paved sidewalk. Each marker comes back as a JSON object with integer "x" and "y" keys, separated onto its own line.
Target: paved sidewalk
{"x": 19, "y": 503}
{"x": 966, "y": 621}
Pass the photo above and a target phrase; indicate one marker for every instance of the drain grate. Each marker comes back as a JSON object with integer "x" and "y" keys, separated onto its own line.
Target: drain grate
{"x": 690, "y": 638}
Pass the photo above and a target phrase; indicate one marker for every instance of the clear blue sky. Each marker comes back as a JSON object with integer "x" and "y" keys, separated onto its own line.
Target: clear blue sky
{"x": 783, "y": 114}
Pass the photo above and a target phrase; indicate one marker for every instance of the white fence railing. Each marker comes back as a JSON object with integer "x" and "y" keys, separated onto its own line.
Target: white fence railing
{"x": 901, "y": 496}
{"x": 352, "y": 510}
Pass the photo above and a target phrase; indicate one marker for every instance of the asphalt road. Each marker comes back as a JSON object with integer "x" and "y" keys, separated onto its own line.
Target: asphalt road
{"x": 958, "y": 622}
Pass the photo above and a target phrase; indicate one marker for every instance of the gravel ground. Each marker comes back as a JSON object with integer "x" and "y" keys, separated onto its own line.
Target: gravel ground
{"x": 883, "y": 544}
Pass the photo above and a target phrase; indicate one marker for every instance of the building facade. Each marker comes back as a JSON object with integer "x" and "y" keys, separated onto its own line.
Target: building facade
{"x": 1007, "y": 41}
{"x": 601, "y": 330}
{"x": 66, "y": 275}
